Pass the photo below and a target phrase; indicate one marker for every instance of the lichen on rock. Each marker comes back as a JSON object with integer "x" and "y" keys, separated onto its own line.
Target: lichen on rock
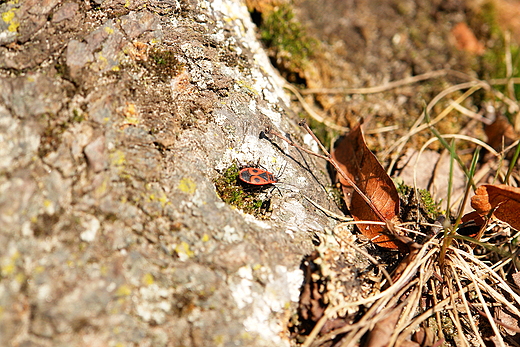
{"x": 115, "y": 120}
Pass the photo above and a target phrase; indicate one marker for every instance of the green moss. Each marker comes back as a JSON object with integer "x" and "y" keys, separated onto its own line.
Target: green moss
{"x": 430, "y": 205}
{"x": 163, "y": 64}
{"x": 336, "y": 193}
{"x": 286, "y": 39}
{"x": 77, "y": 116}
{"x": 448, "y": 328}
{"x": 427, "y": 205}
{"x": 402, "y": 188}
{"x": 232, "y": 192}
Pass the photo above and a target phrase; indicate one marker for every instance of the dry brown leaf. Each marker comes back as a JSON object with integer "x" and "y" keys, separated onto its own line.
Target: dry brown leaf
{"x": 424, "y": 336}
{"x": 503, "y": 199}
{"x": 509, "y": 322}
{"x": 471, "y": 224}
{"x": 500, "y": 133}
{"x": 465, "y": 39}
{"x": 383, "y": 330}
{"x": 363, "y": 168}
{"x": 516, "y": 278}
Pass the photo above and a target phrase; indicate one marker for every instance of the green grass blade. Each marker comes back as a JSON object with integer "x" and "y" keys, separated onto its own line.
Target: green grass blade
{"x": 512, "y": 163}
{"x": 472, "y": 169}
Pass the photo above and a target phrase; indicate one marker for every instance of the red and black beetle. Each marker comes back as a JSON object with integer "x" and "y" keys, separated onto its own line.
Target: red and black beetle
{"x": 257, "y": 177}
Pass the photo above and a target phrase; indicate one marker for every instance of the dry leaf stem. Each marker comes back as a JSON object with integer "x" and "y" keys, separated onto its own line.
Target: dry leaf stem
{"x": 329, "y": 158}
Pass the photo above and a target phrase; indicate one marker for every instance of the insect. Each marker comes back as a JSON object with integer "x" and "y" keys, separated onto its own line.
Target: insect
{"x": 257, "y": 177}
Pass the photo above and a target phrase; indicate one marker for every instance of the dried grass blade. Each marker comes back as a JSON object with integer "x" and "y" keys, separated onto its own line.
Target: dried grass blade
{"x": 490, "y": 272}
{"x": 454, "y": 314}
{"x": 461, "y": 292}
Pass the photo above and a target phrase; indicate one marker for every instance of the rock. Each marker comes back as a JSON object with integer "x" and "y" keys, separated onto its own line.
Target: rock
{"x": 67, "y": 11}
{"x": 112, "y": 139}
{"x": 95, "y": 153}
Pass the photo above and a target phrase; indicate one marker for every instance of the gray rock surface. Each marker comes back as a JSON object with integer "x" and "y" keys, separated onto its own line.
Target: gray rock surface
{"x": 116, "y": 117}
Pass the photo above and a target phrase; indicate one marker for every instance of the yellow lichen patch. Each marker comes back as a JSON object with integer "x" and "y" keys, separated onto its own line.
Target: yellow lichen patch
{"x": 219, "y": 340}
{"x": 187, "y": 185}
{"x": 108, "y": 30}
{"x": 130, "y": 110}
{"x": 102, "y": 61}
{"x": 130, "y": 114}
{"x": 7, "y": 269}
{"x": 205, "y": 238}
{"x": 48, "y": 206}
{"x": 117, "y": 158}
{"x": 20, "y": 278}
{"x": 163, "y": 199}
{"x": 183, "y": 251}
{"x": 103, "y": 187}
{"x": 148, "y": 279}
{"x": 9, "y": 18}
{"x": 247, "y": 87}
{"x": 103, "y": 270}
{"x": 9, "y": 265}
{"x": 246, "y": 336}
{"x": 123, "y": 290}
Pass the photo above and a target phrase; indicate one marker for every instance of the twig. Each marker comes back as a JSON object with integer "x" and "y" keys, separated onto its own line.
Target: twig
{"x": 381, "y": 130}
{"x": 336, "y": 166}
{"x": 327, "y": 212}
{"x": 378, "y": 89}
{"x": 505, "y": 325}
{"x": 310, "y": 111}
{"x": 418, "y": 126}
{"x": 470, "y": 113}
